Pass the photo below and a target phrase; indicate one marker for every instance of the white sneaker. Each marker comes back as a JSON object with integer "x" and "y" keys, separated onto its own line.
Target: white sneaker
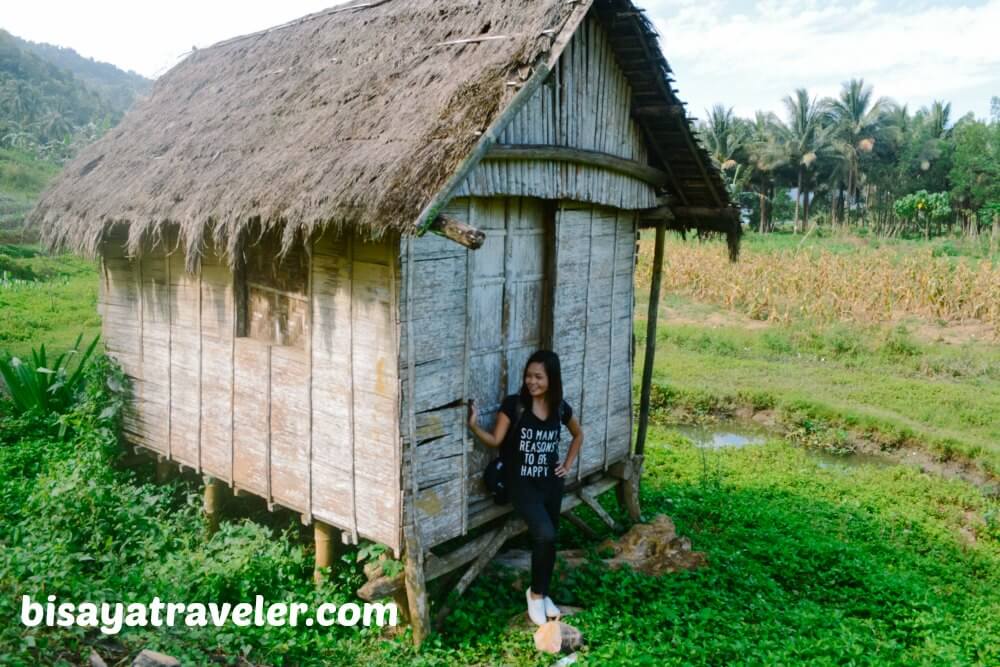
{"x": 551, "y": 610}
{"x": 536, "y": 609}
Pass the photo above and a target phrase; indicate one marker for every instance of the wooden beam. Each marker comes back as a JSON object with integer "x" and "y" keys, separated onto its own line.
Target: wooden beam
{"x": 654, "y": 111}
{"x": 591, "y": 502}
{"x": 647, "y": 367}
{"x": 442, "y": 565}
{"x": 637, "y": 170}
{"x": 458, "y": 231}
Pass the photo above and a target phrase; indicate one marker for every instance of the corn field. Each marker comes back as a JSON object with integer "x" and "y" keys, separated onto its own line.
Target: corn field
{"x": 868, "y": 286}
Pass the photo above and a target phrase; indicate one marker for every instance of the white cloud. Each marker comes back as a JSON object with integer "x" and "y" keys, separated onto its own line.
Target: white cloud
{"x": 744, "y": 53}
{"x": 750, "y": 55}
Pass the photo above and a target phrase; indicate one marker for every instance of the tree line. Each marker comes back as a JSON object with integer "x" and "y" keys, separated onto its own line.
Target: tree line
{"x": 860, "y": 160}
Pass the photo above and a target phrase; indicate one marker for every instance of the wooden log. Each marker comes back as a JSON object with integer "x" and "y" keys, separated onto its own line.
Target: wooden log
{"x": 647, "y": 368}
{"x": 458, "y": 231}
{"x": 577, "y": 156}
{"x": 591, "y": 502}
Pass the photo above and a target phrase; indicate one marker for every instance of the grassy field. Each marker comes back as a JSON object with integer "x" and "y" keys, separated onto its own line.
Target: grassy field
{"x": 807, "y": 564}
{"x": 45, "y": 299}
{"x": 902, "y": 380}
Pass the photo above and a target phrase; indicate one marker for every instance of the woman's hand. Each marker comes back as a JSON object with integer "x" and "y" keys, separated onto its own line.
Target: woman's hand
{"x": 562, "y": 470}
{"x": 473, "y": 414}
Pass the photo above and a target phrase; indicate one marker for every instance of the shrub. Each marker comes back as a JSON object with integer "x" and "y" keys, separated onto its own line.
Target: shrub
{"x": 48, "y": 387}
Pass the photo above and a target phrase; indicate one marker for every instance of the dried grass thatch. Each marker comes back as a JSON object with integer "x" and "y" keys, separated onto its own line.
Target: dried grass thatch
{"x": 344, "y": 118}
{"x": 353, "y": 117}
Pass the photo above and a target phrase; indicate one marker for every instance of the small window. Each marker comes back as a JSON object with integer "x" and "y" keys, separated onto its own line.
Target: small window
{"x": 272, "y": 299}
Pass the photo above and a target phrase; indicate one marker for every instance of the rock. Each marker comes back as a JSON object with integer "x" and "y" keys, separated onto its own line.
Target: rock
{"x": 558, "y": 637}
{"x": 149, "y": 658}
{"x": 96, "y": 660}
{"x": 653, "y": 548}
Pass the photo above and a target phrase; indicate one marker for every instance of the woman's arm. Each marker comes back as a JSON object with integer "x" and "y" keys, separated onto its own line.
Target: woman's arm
{"x": 499, "y": 430}
{"x": 574, "y": 447}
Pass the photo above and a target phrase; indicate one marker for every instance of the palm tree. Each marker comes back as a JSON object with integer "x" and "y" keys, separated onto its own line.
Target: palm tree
{"x": 804, "y": 138}
{"x": 855, "y": 117}
{"x": 723, "y": 135}
{"x": 764, "y": 155}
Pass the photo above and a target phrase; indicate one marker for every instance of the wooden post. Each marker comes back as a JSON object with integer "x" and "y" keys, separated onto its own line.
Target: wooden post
{"x": 416, "y": 587}
{"x": 214, "y": 491}
{"x": 328, "y": 547}
{"x": 165, "y": 470}
{"x": 631, "y": 485}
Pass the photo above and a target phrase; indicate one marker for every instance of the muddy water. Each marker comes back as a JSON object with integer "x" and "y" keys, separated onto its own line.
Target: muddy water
{"x": 731, "y": 434}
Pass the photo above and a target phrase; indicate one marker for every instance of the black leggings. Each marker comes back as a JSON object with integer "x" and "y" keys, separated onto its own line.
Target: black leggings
{"x": 538, "y": 503}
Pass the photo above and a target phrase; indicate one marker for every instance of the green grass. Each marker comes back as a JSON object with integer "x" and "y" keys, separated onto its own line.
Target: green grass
{"x": 941, "y": 396}
{"x": 45, "y": 299}
{"x": 806, "y": 565}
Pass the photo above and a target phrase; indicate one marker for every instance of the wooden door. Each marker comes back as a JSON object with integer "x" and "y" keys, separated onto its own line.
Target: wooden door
{"x": 508, "y": 301}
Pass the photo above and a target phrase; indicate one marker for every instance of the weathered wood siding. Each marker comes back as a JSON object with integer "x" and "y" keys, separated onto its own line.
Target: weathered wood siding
{"x": 549, "y": 274}
{"x": 313, "y": 429}
{"x": 592, "y": 326}
{"x": 355, "y": 436}
{"x": 585, "y": 104}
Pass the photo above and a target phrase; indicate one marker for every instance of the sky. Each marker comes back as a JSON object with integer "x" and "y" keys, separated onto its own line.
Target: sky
{"x": 745, "y": 54}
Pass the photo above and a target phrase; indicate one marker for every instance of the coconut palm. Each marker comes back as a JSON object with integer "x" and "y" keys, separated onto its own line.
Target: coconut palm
{"x": 855, "y": 117}
{"x": 804, "y": 139}
{"x": 723, "y": 135}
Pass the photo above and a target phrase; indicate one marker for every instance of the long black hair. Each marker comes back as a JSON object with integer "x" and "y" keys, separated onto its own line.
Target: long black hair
{"x": 554, "y": 394}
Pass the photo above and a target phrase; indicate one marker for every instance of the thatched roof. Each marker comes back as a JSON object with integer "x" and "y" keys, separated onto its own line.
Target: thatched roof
{"x": 352, "y": 117}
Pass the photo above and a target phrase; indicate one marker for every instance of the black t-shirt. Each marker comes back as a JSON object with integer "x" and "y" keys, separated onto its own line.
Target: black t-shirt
{"x": 531, "y": 447}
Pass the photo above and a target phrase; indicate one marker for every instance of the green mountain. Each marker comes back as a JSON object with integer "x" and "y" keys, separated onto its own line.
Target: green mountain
{"x": 117, "y": 87}
{"x": 52, "y": 100}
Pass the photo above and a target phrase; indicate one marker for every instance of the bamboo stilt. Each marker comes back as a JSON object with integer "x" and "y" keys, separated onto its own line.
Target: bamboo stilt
{"x": 214, "y": 493}
{"x": 328, "y": 547}
{"x": 165, "y": 470}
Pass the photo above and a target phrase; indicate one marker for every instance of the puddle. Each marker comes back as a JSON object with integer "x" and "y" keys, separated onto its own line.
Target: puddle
{"x": 714, "y": 437}
{"x": 731, "y": 434}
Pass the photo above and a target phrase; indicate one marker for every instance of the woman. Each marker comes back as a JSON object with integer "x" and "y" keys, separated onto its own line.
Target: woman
{"x": 530, "y": 452}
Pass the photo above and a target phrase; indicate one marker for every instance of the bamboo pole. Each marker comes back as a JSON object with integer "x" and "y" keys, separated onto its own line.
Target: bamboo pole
{"x": 328, "y": 547}
{"x": 631, "y": 485}
{"x": 214, "y": 492}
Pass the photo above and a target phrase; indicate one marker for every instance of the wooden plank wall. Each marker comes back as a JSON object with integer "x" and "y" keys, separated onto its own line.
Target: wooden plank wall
{"x": 586, "y": 104}
{"x": 439, "y": 303}
{"x": 485, "y": 312}
{"x": 314, "y": 429}
{"x": 355, "y": 384}
{"x": 592, "y": 326}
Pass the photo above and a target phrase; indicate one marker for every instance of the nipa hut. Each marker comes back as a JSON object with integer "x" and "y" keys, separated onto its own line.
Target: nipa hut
{"x": 290, "y": 328}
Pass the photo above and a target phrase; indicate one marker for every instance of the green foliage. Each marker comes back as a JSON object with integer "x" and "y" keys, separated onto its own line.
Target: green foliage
{"x": 923, "y": 205}
{"x": 48, "y": 385}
